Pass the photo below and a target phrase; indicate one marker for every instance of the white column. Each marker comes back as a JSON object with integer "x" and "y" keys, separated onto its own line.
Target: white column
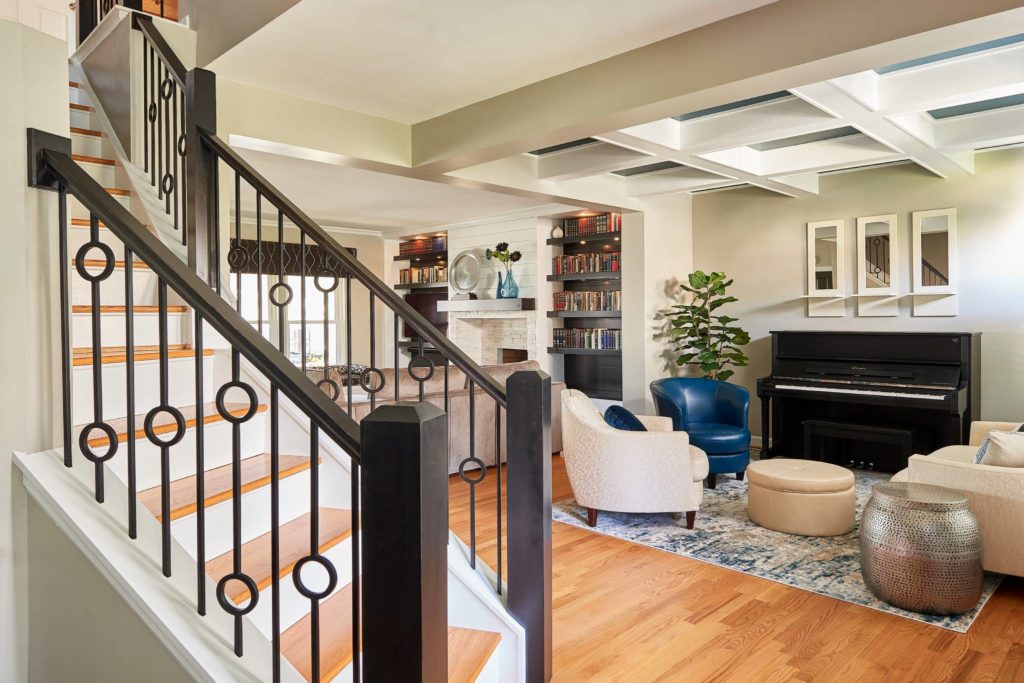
{"x": 657, "y": 254}
{"x": 34, "y": 74}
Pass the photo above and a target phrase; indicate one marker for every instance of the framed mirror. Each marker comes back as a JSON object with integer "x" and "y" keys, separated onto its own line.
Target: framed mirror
{"x": 825, "y": 259}
{"x": 877, "y": 256}
{"x": 934, "y": 251}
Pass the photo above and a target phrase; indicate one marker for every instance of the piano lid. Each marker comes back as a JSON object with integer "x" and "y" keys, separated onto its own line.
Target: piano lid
{"x": 874, "y": 374}
{"x": 945, "y": 348}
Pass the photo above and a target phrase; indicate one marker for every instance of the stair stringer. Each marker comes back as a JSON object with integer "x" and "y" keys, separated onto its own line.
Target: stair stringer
{"x": 202, "y": 644}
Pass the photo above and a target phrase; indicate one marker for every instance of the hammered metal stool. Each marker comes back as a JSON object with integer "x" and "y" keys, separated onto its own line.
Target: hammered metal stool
{"x": 920, "y": 548}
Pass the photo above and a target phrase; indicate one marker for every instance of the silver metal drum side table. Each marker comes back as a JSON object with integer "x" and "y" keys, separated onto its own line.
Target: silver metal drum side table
{"x": 920, "y": 548}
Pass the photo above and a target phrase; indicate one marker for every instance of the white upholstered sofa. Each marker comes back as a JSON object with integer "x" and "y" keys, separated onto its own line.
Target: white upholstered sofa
{"x": 996, "y": 494}
{"x": 622, "y": 471}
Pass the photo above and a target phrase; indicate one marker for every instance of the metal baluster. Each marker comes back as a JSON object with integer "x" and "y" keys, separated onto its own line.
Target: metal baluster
{"x": 472, "y": 483}
{"x": 348, "y": 335}
{"x": 302, "y": 297}
{"x": 275, "y": 533}
{"x": 182, "y": 190}
{"x": 236, "y": 500}
{"x": 396, "y": 361}
{"x": 152, "y": 114}
{"x": 200, "y": 469}
{"x": 97, "y": 354}
{"x": 165, "y": 451}
{"x": 145, "y": 101}
{"x": 327, "y": 339}
{"x": 65, "y": 320}
{"x": 129, "y": 369}
{"x": 373, "y": 350}
{"x": 314, "y": 543}
{"x": 497, "y": 474}
{"x": 431, "y": 369}
{"x": 173, "y": 140}
{"x": 259, "y": 263}
{"x": 216, "y": 222}
{"x": 166, "y": 179}
{"x": 238, "y": 240}
{"x": 281, "y": 285}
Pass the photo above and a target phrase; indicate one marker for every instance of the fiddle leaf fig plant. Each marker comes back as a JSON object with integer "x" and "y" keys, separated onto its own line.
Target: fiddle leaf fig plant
{"x": 702, "y": 338}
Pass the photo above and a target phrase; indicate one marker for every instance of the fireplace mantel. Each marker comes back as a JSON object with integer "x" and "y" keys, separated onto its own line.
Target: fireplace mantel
{"x": 492, "y": 305}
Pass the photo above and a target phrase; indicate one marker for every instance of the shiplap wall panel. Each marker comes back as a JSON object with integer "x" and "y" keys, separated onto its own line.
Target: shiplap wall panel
{"x": 521, "y": 235}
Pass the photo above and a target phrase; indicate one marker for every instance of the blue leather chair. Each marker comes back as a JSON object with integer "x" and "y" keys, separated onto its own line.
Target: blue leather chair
{"x": 714, "y": 414}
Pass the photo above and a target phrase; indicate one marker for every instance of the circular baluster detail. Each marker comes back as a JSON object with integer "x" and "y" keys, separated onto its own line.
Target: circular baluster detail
{"x": 226, "y": 413}
{"x": 275, "y": 296}
{"x": 423, "y": 364}
{"x": 82, "y": 256}
{"x": 328, "y": 567}
{"x": 108, "y": 432}
{"x": 228, "y": 604}
{"x": 372, "y": 380}
{"x": 153, "y": 431}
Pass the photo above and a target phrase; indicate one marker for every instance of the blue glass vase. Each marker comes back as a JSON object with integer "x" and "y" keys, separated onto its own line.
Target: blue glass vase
{"x": 510, "y": 290}
{"x": 499, "y": 292}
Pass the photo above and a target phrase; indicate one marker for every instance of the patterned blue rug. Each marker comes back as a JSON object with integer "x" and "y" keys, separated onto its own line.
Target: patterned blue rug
{"x": 723, "y": 535}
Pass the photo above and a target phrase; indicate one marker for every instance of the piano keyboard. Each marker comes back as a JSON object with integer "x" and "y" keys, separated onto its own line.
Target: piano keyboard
{"x": 864, "y": 392}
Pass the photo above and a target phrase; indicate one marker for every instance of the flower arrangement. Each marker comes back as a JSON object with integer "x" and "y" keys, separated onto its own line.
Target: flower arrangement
{"x": 508, "y": 289}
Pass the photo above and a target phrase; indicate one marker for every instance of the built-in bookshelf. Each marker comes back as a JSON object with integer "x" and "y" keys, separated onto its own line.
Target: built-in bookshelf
{"x": 587, "y": 303}
{"x": 425, "y": 282}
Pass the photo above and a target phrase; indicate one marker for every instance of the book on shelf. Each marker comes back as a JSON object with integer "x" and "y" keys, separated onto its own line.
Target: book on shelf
{"x": 592, "y": 225}
{"x": 585, "y": 263}
{"x": 594, "y": 338}
{"x": 588, "y": 301}
{"x": 427, "y": 245}
{"x": 425, "y": 275}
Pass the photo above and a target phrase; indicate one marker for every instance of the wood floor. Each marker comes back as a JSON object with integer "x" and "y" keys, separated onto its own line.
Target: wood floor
{"x": 626, "y": 612}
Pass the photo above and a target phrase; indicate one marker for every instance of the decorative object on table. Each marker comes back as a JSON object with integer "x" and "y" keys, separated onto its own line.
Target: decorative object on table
{"x": 657, "y": 470}
{"x": 802, "y": 497}
{"x": 463, "y": 275}
{"x": 701, "y": 338}
{"x": 557, "y": 232}
{"x": 996, "y": 494}
{"x": 715, "y": 416}
{"x": 508, "y": 289}
{"x": 921, "y": 548}
{"x": 725, "y": 536}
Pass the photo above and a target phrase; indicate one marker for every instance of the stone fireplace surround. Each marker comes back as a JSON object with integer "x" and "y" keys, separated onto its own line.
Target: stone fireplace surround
{"x": 483, "y": 333}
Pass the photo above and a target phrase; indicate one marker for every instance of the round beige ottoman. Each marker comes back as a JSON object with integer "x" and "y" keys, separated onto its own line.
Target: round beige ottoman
{"x": 803, "y": 497}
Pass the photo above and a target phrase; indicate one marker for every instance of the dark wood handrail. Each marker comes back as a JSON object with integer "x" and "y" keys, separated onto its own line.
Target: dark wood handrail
{"x": 326, "y": 414}
{"x": 144, "y": 23}
{"x": 360, "y": 272}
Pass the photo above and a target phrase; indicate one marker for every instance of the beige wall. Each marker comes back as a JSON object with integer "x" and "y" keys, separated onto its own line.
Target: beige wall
{"x": 34, "y": 75}
{"x": 760, "y": 240}
{"x": 80, "y": 628}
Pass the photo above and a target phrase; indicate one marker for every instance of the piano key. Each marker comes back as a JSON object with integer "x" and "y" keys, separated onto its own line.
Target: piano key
{"x": 890, "y": 394}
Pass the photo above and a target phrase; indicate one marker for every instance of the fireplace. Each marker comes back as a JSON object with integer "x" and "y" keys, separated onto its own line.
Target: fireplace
{"x": 512, "y": 356}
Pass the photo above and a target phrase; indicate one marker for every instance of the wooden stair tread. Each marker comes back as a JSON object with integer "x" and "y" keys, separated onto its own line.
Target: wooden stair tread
{"x": 84, "y": 223}
{"x": 164, "y": 423}
{"x": 86, "y": 159}
{"x": 85, "y": 308}
{"x": 81, "y": 107}
{"x": 109, "y": 357}
{"x": 118, "y": 192}
{"x": 73, "y": 84}
{"x": 87, "y": 350}
{"x": 335, "y": 527}
{"x": 86, "y": 131}
{"x": 255, "y": 473}
{"x": 98, "y": 263}
{"x": 468, "y": 649}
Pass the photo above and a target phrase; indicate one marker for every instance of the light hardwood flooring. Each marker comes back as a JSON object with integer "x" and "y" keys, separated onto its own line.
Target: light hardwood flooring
{"x": 626, "y": 612}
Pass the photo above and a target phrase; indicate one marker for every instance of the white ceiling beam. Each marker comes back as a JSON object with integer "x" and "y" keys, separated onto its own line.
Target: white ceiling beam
{"x": 683, "y": 179}
{"x": 768, "y": 121}
{"x": 984, "y": 129}
{"x": 833, "y": 98}
{"x": 971, "y": 78}
{"x": 662, "y": 132}
{"x": 578, "y": 162}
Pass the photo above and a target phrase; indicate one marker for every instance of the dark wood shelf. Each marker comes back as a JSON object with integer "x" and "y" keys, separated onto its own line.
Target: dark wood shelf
{"x": 427, "y": 257}
{"x": 423, "y": 285}
{"x": 584, "y": 314}
{"x": 599, "y": 237}
{"x": 584, "y": 352}
{"x": 583, "y": 277}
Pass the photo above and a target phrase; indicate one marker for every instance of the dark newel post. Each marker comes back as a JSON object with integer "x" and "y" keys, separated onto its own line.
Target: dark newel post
{"x": 200, "y": 174}
{"x": 405, "y": 543}
{"x": 529, "y": 515}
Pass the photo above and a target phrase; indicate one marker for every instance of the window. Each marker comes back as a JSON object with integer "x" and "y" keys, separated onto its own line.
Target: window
{"x": 252, "y": 287}
{"x": 318, "y": 315}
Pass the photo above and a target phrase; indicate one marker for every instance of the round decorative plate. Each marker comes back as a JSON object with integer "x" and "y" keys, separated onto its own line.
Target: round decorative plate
{"x": 464, "y": 273}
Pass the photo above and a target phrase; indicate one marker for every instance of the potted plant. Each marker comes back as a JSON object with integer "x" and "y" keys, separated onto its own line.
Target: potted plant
{"x": 702, "y": 338}
{"x": 508, "y": 289}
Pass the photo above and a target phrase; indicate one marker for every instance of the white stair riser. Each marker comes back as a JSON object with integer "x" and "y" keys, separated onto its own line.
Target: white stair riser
{"x": 103, "y": 174}
{"x": 77, "y": 237}
{"x": 255, "y": 516}
{"x": 144, "y": 285}
{"x": 79, "y": 96}
{"x": 82, "y": 119}
{"x": 77, "y": 210}
{"x": 89, "y": 145}
{"x": 112, "y": 329}
{"x": 181, "y": 386}
{"x": 217, "y": 450}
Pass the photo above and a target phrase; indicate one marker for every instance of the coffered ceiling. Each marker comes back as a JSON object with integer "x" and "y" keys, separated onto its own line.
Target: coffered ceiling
{"x": 937, "y": 111}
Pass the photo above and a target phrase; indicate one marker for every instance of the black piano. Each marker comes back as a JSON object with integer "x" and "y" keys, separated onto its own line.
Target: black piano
{"x": 924, "y": 383}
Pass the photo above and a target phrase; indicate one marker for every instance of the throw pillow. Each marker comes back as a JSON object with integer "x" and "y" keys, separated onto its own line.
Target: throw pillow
{"x": 620, "y": 418}
{"x": 1004, "y": 449}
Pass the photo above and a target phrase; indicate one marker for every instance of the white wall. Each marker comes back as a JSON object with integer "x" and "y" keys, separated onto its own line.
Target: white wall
{"x": 759, "y": 240}
{"x": 34, "y": 75}
{"x": 521, "y": 235}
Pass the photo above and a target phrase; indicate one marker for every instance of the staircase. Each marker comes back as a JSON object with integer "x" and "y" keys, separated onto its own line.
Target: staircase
{"x": 229, "y": 467}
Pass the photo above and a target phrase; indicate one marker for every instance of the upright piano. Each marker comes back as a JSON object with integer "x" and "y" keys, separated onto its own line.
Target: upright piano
{"x": 928, "y": 382}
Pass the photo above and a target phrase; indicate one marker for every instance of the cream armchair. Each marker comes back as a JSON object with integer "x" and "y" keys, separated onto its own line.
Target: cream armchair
{"x": 996, "y": 494}
{"x": 621, "y": 471}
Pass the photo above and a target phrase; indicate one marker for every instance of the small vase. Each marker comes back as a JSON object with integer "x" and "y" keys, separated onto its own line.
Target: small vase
{"x": 500, "y": 295}
{"x": 510, "y": 290}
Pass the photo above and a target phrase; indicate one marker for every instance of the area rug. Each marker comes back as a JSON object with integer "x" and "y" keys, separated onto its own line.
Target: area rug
{"x": 724, "y": 536}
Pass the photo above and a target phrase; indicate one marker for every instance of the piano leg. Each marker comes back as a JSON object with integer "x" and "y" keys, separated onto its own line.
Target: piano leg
{"x": 956, "y": 435}
{"x": 765, "y": 426}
